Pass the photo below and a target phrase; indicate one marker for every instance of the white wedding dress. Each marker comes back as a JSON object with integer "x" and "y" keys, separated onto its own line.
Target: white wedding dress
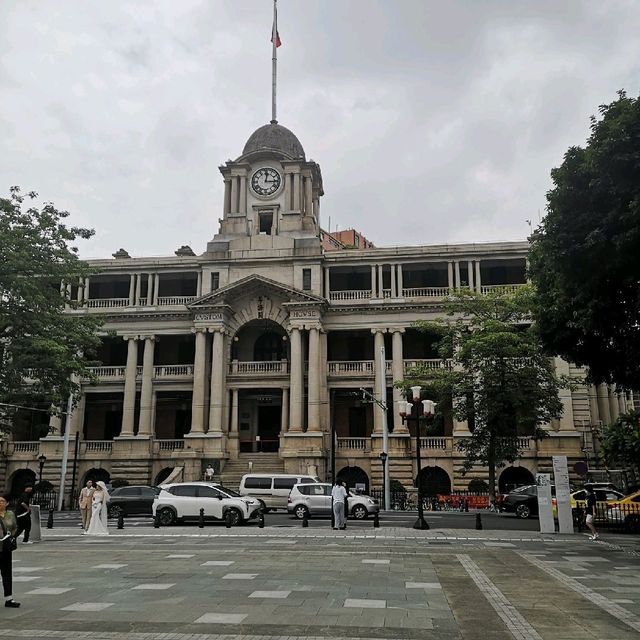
{"x": 98, "y": 524}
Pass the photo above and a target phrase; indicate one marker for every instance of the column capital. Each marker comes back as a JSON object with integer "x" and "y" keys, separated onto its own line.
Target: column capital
{"x": 396, "y": 329}
{"x": 151, "y": 337}
{"x": 375, "y": 330}
{"x": 199, "y": 329}
{"x": 128, "y": 337}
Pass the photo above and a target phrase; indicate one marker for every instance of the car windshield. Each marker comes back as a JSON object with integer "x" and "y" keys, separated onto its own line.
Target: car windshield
{"x": 229, "y": 492}
{"x": 522, "y": 489}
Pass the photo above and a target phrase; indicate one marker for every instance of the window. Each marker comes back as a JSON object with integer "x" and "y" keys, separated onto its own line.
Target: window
{"x": 184, "y": 491}
{"x": 257, "y": 483}
{"x": 284, "y": 483}
{"x": 311, "y": 480}
{"x": 215, "y": 280}
{"x": 269, "y": 347}
{"x": 265, "y": 222}
{"x": 208, "y": 492}
{"x": 148, "y": 492}
{"x": 306, "y": 279}
{"x": 129, "y": 492}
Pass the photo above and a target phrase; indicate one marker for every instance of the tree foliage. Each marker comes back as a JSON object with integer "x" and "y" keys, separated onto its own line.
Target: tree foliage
{"x": 621, "y": 441}
{"x": 494, "y": 369}
{"x": 584, "y": 256}
{"x": 43, "y": 351}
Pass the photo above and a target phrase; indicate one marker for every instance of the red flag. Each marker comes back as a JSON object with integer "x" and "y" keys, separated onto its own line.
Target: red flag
{"x": 275, "y": 36}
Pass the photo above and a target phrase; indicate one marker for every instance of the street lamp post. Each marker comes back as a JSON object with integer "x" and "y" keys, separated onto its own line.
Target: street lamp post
{"x": 412, "y": 412}
{"x": 383, "y": 458}
{"x": 41, "y": 460}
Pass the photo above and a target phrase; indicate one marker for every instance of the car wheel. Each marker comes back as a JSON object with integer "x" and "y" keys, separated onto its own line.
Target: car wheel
{"x": 301, "y": 512}
{"x": 632, "y": 524}
{"x": 166, "y": 516}
{"x": 234, "y": 515}
{"x": 264, "y": 507}
{"x": 523, "y": 511}
{"x": 115, "y": 511}
{"x": 359, "y": 512}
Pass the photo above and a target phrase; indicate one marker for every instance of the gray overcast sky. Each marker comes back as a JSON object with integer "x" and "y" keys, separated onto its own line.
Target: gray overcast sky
{"x": 432, "y": 121}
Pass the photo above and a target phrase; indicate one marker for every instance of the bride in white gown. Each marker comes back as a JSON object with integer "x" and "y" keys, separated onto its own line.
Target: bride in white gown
{"x": 98, "y": 524}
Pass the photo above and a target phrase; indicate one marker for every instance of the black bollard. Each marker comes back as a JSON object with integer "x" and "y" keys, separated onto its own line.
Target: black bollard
{"x": 50, "y": 519}
{"x": 156, "y": 521}
{"x": 260, "y": 520}
{"x": 376, "y": 520}
{"x": 121, "y": 520}
{"x": 478, "y": 521}
{"x": 201, "y": 519}
{"x": 466, "y": 506}
{"x": 227, "y": 520}
{"x": 305, "y": 520}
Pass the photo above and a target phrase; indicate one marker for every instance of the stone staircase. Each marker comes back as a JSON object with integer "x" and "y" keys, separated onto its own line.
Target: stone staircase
{"x": 134, "y": 471}
{"x": 262, "y": 463}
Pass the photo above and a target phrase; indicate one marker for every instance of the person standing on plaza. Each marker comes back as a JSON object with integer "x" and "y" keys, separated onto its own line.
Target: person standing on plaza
{"x": 84, "y": 502}
{"x": 591, "y": 513}
{"x": 23, "y": 513}
{"x": 338, "y": 498}
{"x": 99, "y": 500}
{"x": 8, "y": 528}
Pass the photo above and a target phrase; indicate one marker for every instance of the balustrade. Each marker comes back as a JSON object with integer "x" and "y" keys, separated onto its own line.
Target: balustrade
{"x": 501, "y": 288}
{"x": 351, "y": 367}
{"x": 103, "y": 446}
{"x": 30, "y": 446}
{"x": 173, "y": 371}
{"x": 166, "y": 301}
{"x": 169, "y": 445}
{"x": 431, "y": 442}
{"x": 425, "y": 292}
{"x": 358, "y": 444}
{"x": 350, "y": 294}
{"x": 259, "y": 367}
{"x": 433, "y": 363}
{"x": 108, "y": 372}
{"x": 104, "y": 303}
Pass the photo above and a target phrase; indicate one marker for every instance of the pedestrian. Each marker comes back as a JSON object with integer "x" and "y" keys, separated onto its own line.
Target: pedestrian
{"x": 98, "y": 524}
{"x": 9, "y": 527}
{"x": 84, "y": 502}
{"x": 339, "y": 497}
{"x": 23, "y": 513}
{"x": 591, "y": 513}
{"x": 209, "y": 473}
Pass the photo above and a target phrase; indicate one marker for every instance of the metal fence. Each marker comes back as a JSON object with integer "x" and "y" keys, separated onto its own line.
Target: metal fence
{"x": 49, "y": 499}
{"x": 617, "y": 517}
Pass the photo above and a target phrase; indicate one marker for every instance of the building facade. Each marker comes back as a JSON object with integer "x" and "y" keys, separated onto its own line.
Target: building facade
{"x": 250, "y": 353}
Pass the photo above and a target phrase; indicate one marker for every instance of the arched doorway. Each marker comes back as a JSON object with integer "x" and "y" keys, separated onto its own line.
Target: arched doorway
{"x": 269, "y": 347}
{"x": 434, "y": 481}
{"x": 20, "y": 479}
{"x": 96, "y": 475}
{"x": 163, "y": 475}
{"x": 355, "y": 477}
{"x": 513, "y": 477}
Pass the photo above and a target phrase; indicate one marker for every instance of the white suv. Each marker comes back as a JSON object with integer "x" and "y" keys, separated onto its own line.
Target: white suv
{"x": 315, "y": 500}
{"x": 183, "y": 501}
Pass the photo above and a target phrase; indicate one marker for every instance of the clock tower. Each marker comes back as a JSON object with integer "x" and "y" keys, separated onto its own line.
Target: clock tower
{"x": 271, "y": 196}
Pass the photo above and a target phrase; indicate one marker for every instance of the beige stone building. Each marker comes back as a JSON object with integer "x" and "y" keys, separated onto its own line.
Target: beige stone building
{"x": 246, "y": 353}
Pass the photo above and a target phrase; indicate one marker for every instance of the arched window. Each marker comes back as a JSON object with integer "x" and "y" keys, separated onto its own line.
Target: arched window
{"x": 268, "y": 347}
{"x": 434, "y": 481}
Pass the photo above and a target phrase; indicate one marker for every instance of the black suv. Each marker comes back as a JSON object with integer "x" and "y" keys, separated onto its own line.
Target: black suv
{"x": 132, "y": 501}
{"x": 522, "y": 501}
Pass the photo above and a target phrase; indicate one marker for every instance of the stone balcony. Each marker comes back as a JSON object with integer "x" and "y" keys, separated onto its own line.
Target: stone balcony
{"x": 160, "y": 372}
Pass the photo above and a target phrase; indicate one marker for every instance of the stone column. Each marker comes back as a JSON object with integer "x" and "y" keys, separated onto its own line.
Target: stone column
{"x": 296, "y": 192}
{"x": 145, "y": 426}
{"x": 129, "y": 401}
{"x": 566, "y": 419}
{"x": 380, "y": 281}
{"x": 614, "y": 409}
{"x": 327, "y": 283}
{"x": 234, "y": 194}
{"x": 397, "y": 368}
{"x": 199, "y": 284}
{"x": 594, "y": 414}
{"x": 394, "y": 288}
{"x": 149, "y": 289}
{"x": 85, "y": 293}
{"x": 138, "y": 288}
{"x": 314, "y": 379}
{"x": 400, "y": 282}
{"x": 79, "y": 292}
{"x": 199, "y": 380}
{"x": 284, "y": 416}
{"x": 233, "y": 428}
{"x": 622, "y": 402}
{"x": 156, "y": 288}
{"x": 379, "y": 376}
{"x": 216, "y": 401}
{"x": 227, "y": 196}
{"x": 478, "y": 277}
{"x": 470, "y": 274}
{"x": 373, "y": 281}
{"x": 324, "y": 387}
{"x": 243, "y": 194}
{"x": 450, "y": 283}
{"x": 296, "y": 382}
{"x": 287, "y": 191}
{"x": 603, "y": 404}
{"x": 308, "y": 207}
{"x": 456, "y": 265}
{"x": 132, "y": 289}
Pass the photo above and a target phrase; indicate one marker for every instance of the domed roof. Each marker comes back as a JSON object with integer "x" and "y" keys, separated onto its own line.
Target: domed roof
{"x": 274, "y": 137}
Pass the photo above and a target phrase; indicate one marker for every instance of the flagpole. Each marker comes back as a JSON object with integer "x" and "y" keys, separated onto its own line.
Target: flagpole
{"x": 274, "y": 63}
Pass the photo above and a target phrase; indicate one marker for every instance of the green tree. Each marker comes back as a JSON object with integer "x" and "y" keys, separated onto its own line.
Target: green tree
{"x": 494, "y": 368}
{"x": 43, "y": 351}
{"x": 584, "y": 256}
{"x": 621, "y": 441}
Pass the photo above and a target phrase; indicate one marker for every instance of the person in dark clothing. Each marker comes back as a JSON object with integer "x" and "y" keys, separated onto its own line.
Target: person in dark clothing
{"x": 23, "y": 513}
{"x": 8, "y": 528}
{"x": 591, "y": 513}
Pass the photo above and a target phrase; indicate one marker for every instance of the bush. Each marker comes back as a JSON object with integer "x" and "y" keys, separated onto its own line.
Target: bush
{"x": 43, "y": 487}
{"x": 118, "y": 482}
{"x": 478, "y": 486}
{"x": 397, "y": 486}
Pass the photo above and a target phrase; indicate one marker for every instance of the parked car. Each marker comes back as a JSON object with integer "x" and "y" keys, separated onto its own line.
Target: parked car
{"x": 183, "y": 501}
{"x": 315, "y": 500}
{"x": 272, "y": 489}
{"x": 132, "y": 501}
{"x": 627, "y": 511}
{"x": 522, "y": 501}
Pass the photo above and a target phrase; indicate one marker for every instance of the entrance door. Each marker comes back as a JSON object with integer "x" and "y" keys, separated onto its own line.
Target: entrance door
{"x": 269, "y": 428}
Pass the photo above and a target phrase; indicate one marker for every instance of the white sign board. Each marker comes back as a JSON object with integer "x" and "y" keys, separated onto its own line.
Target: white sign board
{"x": 545, "y": 510}
{"x": 563, "y": 499}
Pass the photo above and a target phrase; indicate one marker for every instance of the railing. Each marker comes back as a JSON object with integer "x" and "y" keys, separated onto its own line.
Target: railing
{"x": 350, "y": 294}
{"x": 142, "y": 302}
{"x": 259, "y": 367}
{"x": 425, "y": 292}
{"x": 433, "y": 363}
{"x": 358, "y": 444}
{"x": 108, "y": 372}
{"x": 431, "y": 442}
{"x": 525, "y": 443}
{"x": 169, "y": 445}
{"x": 173, "y": 371}
{"x": 386, "y": 293}
{"x": 501, "y": 288}
{"x": 104, "y": 446}
{"x": 351, "y": 367}
{"x": 104, "y": 303}
{"x": 165, "y": 301}
{"x": 30, "y": 446}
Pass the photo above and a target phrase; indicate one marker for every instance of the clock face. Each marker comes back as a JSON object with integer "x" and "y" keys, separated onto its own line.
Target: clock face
{"x": 266, "y": 181}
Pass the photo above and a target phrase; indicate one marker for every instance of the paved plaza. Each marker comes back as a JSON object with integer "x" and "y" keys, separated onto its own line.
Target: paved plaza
{"x": 219, "y": 584}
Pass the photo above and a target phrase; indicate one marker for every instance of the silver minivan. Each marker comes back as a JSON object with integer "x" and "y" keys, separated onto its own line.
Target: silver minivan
{"x": 272, "y": 489}
{"x": 315, "y": 500}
